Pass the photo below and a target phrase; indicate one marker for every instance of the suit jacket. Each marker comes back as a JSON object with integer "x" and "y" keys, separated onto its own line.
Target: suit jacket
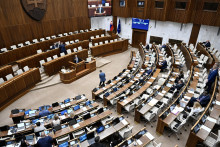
{"x": 62, "y": 48}
{"x": 100, "y": 9}
{"x": 179, "y": 86}
{"x": 147, "y": 47}
{"x": 149, "y": 71}
{"x": 97, "y": 145}
{"x": 77, "y": 60}
{"x": 164, "y": 64}
{"x": 164, "y": 46}
{"x": 103, "y": 2}
{"x": 212, "y": 75}
{"x": 207, "y": 44}
{"x": 204, "y": 100}
{"x": 102, "y": 77}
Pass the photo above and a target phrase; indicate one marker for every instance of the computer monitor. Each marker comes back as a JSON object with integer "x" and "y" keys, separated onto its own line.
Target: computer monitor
{"x": 88, "y": 103}
{"x": 63, "y": 112}
{"x": 197, "y": 128}
{"x": 76, "y": 107}
{"x": 87, "y": 116}
{"x": 20, "y": 125}
{"x": 29, "y": 137}
{"x": 204, "y": 119}
{"x": 34, "y": 121}
{"x": 91, "y": 135}
{"x": 78, "y": 97}
{"x": 83, "y": 138}
{"x": 72, "y": 122}
{"x": 65, "y": 144}
{"x": 100, "y": 110}
{"x": 66, "y": 100}
{"x": 27, "y": 111}
{"x": 100, "y": 129}
{"x": 115, "y": 121}
{"x": 32, "y": 112}
{"x": 50, "y": 116}
{"x": 10, "y": 142}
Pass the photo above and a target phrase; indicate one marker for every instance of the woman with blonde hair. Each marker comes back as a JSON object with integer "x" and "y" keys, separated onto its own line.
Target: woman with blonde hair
{"x": 197, "y": 108}
{"x": 56, "y": 120}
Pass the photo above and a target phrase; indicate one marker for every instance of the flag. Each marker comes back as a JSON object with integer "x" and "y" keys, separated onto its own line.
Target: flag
{"x": 111, "y": 26}
{"x": 119, "y": 27}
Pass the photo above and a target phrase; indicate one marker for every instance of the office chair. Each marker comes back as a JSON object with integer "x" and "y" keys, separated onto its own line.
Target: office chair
{"x": 78, "y": 133}
{"x": 49, "y": 59}
{"x": 212, "y": 139}
{"x": 9, "y": 76}
{"x": 129, "y": 107}
{"x": 176, "y": 126}
{"x": 125, "y": 132}
{"x": 63, "y": 139}
{"x": 2, "y": 80}
{"x": 39, "y": 51}
{"x": 20, "y": 71}
{"x": 69, "y": 51}
{"x": 107, "y": 120}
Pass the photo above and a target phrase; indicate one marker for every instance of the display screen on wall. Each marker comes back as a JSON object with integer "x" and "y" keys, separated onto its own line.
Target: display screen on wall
{"x": 141, "y": 24}
{"x": 99, "y": 8}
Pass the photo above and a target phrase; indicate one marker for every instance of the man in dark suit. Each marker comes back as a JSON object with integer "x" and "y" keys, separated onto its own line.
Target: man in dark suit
{"x": 99, "y": 10}
{"x": 163, "y": 65}
{"x": 207, "y": 44}
{"x": 147, "y": 46}
{"x": 211, "y": 77}
{"x": 102, "y": 78}
{"x": 62, "y": 48}
{"x": 164, "y": 46}
{"x": 203, "y": 99}
{"x": 97, "y": 142}
{"x": 76, "y": 59}
{"x": 178, "y": 86}
{"x": 55, "y": 45}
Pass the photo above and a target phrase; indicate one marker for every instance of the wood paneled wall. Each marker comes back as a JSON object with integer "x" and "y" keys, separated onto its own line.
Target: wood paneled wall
{"x": 61, "y": 16}
{"x": 193, "y": 13}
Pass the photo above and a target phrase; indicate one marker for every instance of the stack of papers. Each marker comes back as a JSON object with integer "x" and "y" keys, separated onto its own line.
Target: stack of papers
{"x": 149, "y": 136}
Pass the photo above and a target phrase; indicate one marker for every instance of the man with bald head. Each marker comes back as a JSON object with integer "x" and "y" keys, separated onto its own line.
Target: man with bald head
{"x": 45, "y": 141}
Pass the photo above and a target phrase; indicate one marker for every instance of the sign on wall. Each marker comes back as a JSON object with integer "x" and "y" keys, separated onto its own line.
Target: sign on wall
{"x": 98, "y": 8}
{"x": 141, "y": 24}
{"x": 36, "y": 9}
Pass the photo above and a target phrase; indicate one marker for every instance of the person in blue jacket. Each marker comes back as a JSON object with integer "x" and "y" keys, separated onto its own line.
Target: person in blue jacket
{"x": 102, "y": 78}
{"x": 203, "y": 99}
{"x": 207, "y": 43}
{"x": 62, "y": 48}
{"x": 163, "y": 65}
{"x": 211, "y": 77}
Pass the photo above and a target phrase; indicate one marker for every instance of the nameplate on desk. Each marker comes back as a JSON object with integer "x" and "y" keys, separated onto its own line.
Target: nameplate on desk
{"x": 139, "y": 142}
{"x": 62, "y": 106}
{"x": 151, "y": 137}
{"x": 76, "y": 126}
{"x": 124, "y": 122}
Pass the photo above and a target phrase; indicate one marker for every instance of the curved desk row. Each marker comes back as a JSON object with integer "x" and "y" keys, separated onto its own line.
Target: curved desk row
{"x": 17, "y": 54}
{"x": 4, "y": 71}
{"x": 103, "y": 39}
{"x": 18, "y": 86}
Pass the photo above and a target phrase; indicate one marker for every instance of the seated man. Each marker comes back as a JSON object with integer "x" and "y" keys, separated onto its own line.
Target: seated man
{"x": 147, "y": 46}
{"x": 45, "y": 141}
{"x": 178, "y": 86}
{"x": 180, "y": 76}
{"x": 207, "y": 44}
{"x": 211, "y": 77}
{"x": 62, "y": 48}
{"x": 203, "y": 99}
{"x": 149, "y": 71}
{"x": 76, "y": 59}
{"x": 163, "y": 65}
{"x": 164, "y": 46}
{"x": 97, "y": 142}
{"x": 39, "y": 127}
{"x": 55, "y": 45}
{"x": 44, "y": 112}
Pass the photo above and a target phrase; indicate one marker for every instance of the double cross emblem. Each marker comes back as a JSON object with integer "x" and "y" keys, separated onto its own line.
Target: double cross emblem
{"x": 35, "y": 2}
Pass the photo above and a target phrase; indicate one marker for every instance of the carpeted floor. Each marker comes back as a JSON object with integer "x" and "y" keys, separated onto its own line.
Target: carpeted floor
{"x": 84, "y": 85}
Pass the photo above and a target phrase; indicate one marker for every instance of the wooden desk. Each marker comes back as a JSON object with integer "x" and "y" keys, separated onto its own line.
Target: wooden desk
{"x": 5, "y": 70}
{"x": 17, "y": 117}
{"x": 67, "y": 77}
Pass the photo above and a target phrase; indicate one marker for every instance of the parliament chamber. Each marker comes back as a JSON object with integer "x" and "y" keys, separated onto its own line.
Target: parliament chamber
{"x": 109, "y": 73}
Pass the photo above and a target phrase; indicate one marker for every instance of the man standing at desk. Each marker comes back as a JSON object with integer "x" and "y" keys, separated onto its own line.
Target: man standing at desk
{"x": 102, "y": 78}
{"x": 62, "y": 48}
{"x": 76, "y": 59}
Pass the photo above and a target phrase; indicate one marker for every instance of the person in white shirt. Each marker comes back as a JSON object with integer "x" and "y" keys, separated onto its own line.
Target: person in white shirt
{"x": 39, "y": 127}
{"x": 197, "y": 108}
{"x": 56, "y": 120}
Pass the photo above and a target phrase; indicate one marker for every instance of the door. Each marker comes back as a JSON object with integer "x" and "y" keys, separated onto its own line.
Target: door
{"x": 139, "y": 36}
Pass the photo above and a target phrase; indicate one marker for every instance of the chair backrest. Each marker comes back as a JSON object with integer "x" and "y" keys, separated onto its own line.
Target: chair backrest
{"x": 20, "y": 71}
{"x": 71, "y": 42}
{"x": 65, "y": 34}
{"x": 69, "y": 51}
{"x": 80, "y": 48}
{"x": 53, "y": 36}
{"x": 77, "y": 40}
{"x": 42, "y": 39}
{"x": 48, "y": 38}
{"x": 60, "y": 35}
{"x": 102, "y": 35}
{"x": 42, "y": 62}
{"x": 4, "y": 49}
{"x": 106, "y": 41}
{"x": 206, "y": 59}
{"x": 9, "y": 76}
{"x": 1, "y": 80}
{"x": 111, "y": 41}
{"x": 67, "y": 42}
{"x": 35, "y": 40}
{"x": 39, "y": 51}
{"x": 26, "y": 68}
{"x": 20, "y": 45}
{"x": 127, "y": 132}
{"x": 55, "y": 56}
{"x": 62, "y": 54}
{"x": 27, "y": 43}
{"x": 100, "y": 43}
{"x": 49, "y": 59}
{"x": 97, "y": 36}
{"x": 96, "y": 44}
{"x": 75, "y": 50}
{"x": 115, "y": 40}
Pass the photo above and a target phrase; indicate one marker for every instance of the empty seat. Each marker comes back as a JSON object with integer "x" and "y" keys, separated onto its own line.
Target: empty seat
{"x": 26, "y": 68}
{"x": 96, "y": 44}
{"x": 106, "y": 41}
{"x": 19, "y": 71}
{"x": 100, "y": 43}
{"x": 65, "y": 34}
{"x": 35, "y": 41}
{"x": 27, "y": 43}
{"x": 49, "y": 59}
{"x": 13, "y": 47}
{"x": 71, "y": 42}
{"x": 20, "y": 45}
{"x": 102, "y": 35}
{"x": 48, "y": 38}
{"x": 9, "y": 76}
{"x": 111, "y": 41}
{"x": 75, "y": 49}
{"x": 60, "y": 35}
{"x": 67, "y": 42}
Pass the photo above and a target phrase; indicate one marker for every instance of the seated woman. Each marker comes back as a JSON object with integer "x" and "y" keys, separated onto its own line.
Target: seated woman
{"x": 56, "y": 120}
{"x": 197, "y": 108}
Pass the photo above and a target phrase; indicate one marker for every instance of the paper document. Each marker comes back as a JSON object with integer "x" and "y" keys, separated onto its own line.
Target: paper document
{"x": 76, "y": 125}
{"x": 124, "y": 122}
{"x": 169, "y": 85}
{"x": 84, "y": 108}
{"x": 68, "y": 104}
{"x": 161, "y": 94}
{"x": 149, "y": 136}
{"x": 212, "y": 119}
{"x": 139, "y": 142}
{"x": 153, "y": 78}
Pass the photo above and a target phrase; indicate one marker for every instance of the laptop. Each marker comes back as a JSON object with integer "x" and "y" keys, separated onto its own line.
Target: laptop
{"x": 32, "y": 113}
{"x": 76, "y": 107}
{"x": 65, "y": 144}
{"x": 197, "y": 128}
{"x": 100, "y": 110}
{"x": 72, "y": 122}
{"x": 63, "y": 112}
{"x": 34, "y": 121}
{"x": 91, "y": 138}
{"x": 21, "y": 126}
{"x": 66, "y": 100}
{"x": 83, "y": 138}
{"x": 87, "y": 116}
{"x": 30, "y": 139}
{"x": 100, "y": 129}
{"x": 88, "y": 103}
{"x": 78, "y": 97}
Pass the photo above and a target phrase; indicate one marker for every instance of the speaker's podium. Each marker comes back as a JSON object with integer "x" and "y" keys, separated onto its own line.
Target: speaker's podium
{"x": 77, "y": 70}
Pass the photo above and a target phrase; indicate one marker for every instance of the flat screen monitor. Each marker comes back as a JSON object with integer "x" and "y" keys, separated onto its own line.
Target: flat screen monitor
{"x": 27, "y": 111}
{"x": 67, "y": 100}
{"x": 99, "y": 8}
{"x": 76, "y": 107}
{"x": 141, "y": 24}
{"x": 88, "y": 103}
{"x": 87, "y": 116}
{"x": 83, "y": 137}
{"x": 65, "y": 144}
{"x": 63, "y": 112}
{"x": 90, "y": 135}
